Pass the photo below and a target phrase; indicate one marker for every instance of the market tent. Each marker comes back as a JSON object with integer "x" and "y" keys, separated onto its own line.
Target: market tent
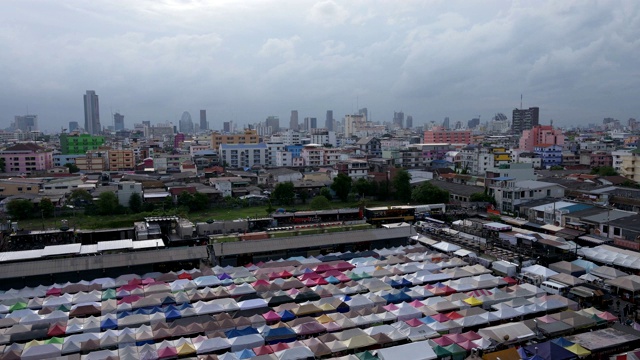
{"x": 446, "y": 247}
{"x": 567, "y": 279}
{"x": 549, "y": 351}
{"x": 507, "y": 333}
{"x": 578, "y": 350}
{"x": 607, "y": 272}
{"x": 568, "y": 268}
{"x": 508, "y": 354}
{"x": 539, "y": 270}
{"x": 212, "y": 345}
{"x": 414, "y": 351}
{"x": 629, "y": 283}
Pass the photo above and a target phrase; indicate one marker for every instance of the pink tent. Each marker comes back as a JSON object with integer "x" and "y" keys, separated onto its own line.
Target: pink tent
{"x": 471, "y": 335}
{"x": 605, "y": 315}
{"x": 546, "y": 319}
{"x": 263, "y": 350}
{"x": 467, "y": 345}
{"x": 271, "y": 316}
{"x": 54, "y": 292}
{"x": 167, "y": 352}
{"x": 416, "y": 304}
{"x": 279, "y": 347}
{"x": 457, "y": 338}
{"x": 390, "y": 307}
{"x": 414, "y": 322}
{"x": 440, "y": 317}
{"x": 443, "y": 341}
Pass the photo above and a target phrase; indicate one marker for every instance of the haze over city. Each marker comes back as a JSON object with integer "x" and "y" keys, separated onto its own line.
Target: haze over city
{"x": 244, "y": 61}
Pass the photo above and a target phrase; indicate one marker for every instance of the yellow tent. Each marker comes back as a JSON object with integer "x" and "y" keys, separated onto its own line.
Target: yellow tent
{"x": 578, "y": 350}
{"x": 186, "y": 349}
{"x": 473, "y": 301}
{"x": 323, "y": 319}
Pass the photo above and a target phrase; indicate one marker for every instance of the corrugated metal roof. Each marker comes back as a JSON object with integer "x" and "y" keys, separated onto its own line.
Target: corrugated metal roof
{"x": 115, "y": 245}
{"x": 66, "y": 249}
{"x": 20, "y": 255}
{"x": 88, "y": 249}
{"x": 148, "y": 244}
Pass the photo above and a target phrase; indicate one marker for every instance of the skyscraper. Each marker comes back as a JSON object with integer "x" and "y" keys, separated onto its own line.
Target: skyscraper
{"x": 409, "y": 121}
{"x": 445, "y": 123}
{"x": 328, "y": 122}
{"x": 203, "y": 120}
{"x": 524, "y": 119}
{"x": 91, "y": 113}
{"x": 186, "y": 124}
{"x": 274, "y": 122}
{"x": 118, "y": 122}
{"x": 473, "y": 123}
{"x": 398, "y": 119}
{"x": 73, "y": 125}
{"x": 293, "y": 121}
{"x": 26, "y": 123}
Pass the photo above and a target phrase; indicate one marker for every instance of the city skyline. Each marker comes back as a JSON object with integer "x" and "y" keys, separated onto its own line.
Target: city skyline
{"x": 429, "y": 59}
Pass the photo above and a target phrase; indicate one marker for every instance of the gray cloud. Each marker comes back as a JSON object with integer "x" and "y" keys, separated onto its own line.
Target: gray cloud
{"x": 243, "y": 61}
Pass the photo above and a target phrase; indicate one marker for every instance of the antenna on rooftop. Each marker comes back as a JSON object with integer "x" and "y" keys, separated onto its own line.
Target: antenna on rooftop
{"x": 520, "y": 101}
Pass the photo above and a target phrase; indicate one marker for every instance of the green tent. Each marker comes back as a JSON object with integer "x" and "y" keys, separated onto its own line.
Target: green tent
{"x": 64, "y": 308}
{"x": 367, "y": 355}
{"x": 108, "y": 294}
{"x": 19, "y": 305}
{"x": 457, "y": 352}
{"x": 441, "y": 352}
{"x": 54, "y": 340}
{"x": 598, "y": 320}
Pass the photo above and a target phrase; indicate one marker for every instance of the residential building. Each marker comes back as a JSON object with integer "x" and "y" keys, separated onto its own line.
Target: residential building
{"x": 440, "y": 135}
{"x": 91, "y": 113}
{"x": 355, "y": 169}
{"x": 370, "y": 146}
{"x": 630, "y": 167}
{"x": 73, "y": 126}
{"x": 541, "y": 135}
{"x": 26, "y": 158}
{"x": 617, "y": 159}
{"x": 600, "y": 159}
{"x": 352, "y": 123}
{"x": 126, "y": 189}
{"x": 524, "y": 119}
{"x": 514, "y": 171}
{"x": 243, "y": 155}
{"x": 10, "y": 187}
{"x": 247, "y": 137}
{"x": 324, "y": 137}
{"x": 551, "y": 155}
{"x": 61, "y": 159}
{"x": 93, "y": 161}
{"x": 121, "y": 160}
{"x": 79, "y": 144}
{"x": 279, "y": 175}
{"x": 230, "y": 186}
{"x": 316, "y": 155}
{"x": 272, "y": 152}
{"x": 510, "y": 194}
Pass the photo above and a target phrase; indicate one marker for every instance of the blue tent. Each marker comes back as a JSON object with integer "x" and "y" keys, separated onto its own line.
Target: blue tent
{"x": 332, "y": 280}
{"x": 400, "y": 283}
{"x": 286, "y": 315}
{"x": 108, "y": 323}
{"x": 397, "y": 298}
{"x": 172, "y": 315}
{"x": 549, "y": 351}
{"x": 276, "y": 335}
{"x": 245, "y": 354}
{"x": 246, "y": 331}
{"x": 124, "y": 314}
{"x": 562, "y": 342}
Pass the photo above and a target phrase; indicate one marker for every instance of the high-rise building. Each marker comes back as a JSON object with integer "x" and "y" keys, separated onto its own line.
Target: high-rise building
{"x": 473, "y": 123}
{"x": 328, "y": 122}
{"x": 310, "y": 123}
{"x": 445, "y": 123}
{"x": 73, "y": 126}
{"x": 204, "y": 125}
{"x": 364, "y": 111}
{"x": 409, "y": 121}
{"x": 118, "y": 122}
{"x": 274, "y": 123}
{"x": 398, "y": 119}
{"x": 541, "y": 136}
{"x": 186, "y": 124}
{"x": 91, "y": 113}
{"x": 293, "y": 121}
{"x": 26, "y": 123}
{"x": 524, "y": 119}
{"x": 227, "y": 126}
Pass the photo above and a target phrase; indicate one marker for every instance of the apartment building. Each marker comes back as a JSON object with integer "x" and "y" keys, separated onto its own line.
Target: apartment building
{"x": 248, "y": 137}
{"x": 121, "y": 160}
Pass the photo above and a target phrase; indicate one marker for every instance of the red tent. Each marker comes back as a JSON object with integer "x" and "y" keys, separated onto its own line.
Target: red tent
{"x": 443, "y": 341}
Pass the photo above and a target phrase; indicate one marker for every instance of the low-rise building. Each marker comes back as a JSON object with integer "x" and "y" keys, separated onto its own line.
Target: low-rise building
{"x": 355, "y": 169}
{"x": 121, "y": 160}
{"x": 126, "y": 189}
{"x": 26, "y": 158}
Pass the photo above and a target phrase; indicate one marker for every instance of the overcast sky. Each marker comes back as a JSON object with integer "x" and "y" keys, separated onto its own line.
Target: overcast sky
{"x": 245, "y": 60}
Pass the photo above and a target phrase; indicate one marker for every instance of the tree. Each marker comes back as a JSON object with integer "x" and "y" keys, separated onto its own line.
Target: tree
{"x": 402, "y": 185}
{"x": 184, "y": 199}
{"x": 167, "y": 203}
{"x": 72, "y": 168}
{"x": 199, "y": 202}
{"x": 326, "y": 192}
{"x": 304, "y": 195}
{"x": 320, "y": 203}
{"x": 135, "y": 203}
{"x": 107, "y": 204}
{"x": 148, "y": 207}
{"x": 284, "y": 193}
{"x": 604, "y": 171}
{"x": 383, "y": 190}
{"x": 428, "y": 193}
{"x": 47, "y": 207}
{"x": 363, "y": 186}
{"x": 482, "y": 197}
{"x": 20, "y": 209}
{"x": 80, "y": 197}
{"x": 342, "y": 186}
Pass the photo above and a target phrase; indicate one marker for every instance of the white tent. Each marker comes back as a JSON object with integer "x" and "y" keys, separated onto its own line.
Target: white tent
{"x": 414, "y": 351}
{"x": 246, "y": 342}
{"x": 540, "y": 270}
{"x": 212, "y": 344}
{"x": 446, "y": 247}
